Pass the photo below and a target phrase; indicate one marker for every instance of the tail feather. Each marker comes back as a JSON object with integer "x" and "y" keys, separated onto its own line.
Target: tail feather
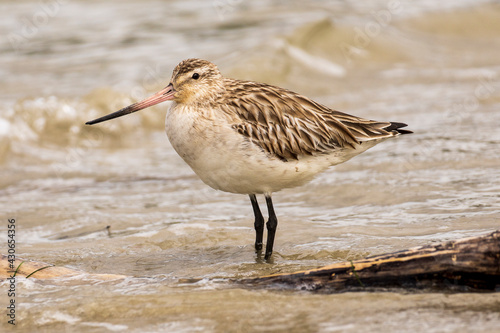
{"x": 396, "y": 127}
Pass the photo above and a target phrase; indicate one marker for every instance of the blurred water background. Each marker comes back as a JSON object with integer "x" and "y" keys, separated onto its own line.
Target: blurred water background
{"x": 433, "y": 65}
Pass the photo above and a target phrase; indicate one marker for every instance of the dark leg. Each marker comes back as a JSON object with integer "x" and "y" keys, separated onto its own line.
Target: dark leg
{"x": 272, "y": 224}
{"x": 259, "y": 223}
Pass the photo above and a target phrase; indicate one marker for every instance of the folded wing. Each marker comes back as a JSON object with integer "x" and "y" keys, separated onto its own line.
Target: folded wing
{"x": 288, "y": 125}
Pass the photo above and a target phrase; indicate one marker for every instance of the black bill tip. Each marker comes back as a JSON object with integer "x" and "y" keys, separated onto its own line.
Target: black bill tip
{"x": 129, "y": 109}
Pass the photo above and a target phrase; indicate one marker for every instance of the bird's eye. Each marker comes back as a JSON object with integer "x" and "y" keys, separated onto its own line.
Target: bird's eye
{"x": 196, "y": 76}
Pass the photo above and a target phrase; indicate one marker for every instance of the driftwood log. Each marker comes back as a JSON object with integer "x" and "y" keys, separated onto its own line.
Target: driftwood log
{"x": 471, "y": 264}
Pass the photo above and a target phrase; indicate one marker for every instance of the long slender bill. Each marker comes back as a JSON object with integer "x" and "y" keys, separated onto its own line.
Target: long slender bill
{"x": 163, "y": 95}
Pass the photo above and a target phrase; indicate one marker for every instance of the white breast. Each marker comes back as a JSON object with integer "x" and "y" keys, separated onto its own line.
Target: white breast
{"x": 227, "y": 161}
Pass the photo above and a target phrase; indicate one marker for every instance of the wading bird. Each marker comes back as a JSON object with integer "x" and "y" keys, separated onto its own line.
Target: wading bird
{"x": 253, "y": 138}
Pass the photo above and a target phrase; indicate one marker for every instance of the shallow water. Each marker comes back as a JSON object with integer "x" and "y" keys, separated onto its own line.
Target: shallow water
{"x": 433, "y": 66}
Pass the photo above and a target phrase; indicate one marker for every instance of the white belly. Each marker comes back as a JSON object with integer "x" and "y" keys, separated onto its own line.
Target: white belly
{"x": 227, "y": 161}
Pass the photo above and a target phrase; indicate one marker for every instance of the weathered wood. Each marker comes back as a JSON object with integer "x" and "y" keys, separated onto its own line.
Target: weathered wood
{"x": 41, "y": 270}
{"x": 461, "y": 265}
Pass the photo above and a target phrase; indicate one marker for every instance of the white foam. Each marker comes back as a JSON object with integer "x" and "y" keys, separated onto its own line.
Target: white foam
{"x": 315, "y": 63}
{"x": 108, "y": 326}
{"x": 57, "y": 316}
{"x": 5, "y": 127}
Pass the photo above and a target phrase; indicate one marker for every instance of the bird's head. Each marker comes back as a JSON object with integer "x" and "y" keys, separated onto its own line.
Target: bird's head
{"x": 194, "y": 81}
